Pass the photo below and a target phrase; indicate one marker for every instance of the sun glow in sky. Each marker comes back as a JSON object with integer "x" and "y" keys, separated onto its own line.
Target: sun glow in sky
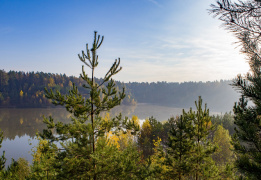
{"x": 157, "y": 40}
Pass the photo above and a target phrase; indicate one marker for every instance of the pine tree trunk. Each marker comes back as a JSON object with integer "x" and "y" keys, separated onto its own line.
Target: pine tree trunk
{"x": 92, "y": 119}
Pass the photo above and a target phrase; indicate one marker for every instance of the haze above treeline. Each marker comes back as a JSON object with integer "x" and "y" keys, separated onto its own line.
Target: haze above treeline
{"x": 26, "y": 90}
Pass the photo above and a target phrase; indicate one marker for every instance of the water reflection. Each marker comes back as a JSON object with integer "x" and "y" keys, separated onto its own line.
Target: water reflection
{"x": 20, "y": 122}
{"x": 18, "y": 147}
{"x": 20, "y": 125}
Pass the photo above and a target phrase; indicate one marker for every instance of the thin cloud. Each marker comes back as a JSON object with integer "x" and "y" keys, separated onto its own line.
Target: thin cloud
{"x": 154, "y": 2}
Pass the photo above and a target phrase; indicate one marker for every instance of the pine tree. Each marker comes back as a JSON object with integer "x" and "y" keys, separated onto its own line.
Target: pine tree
{"x": 203, "y": 163}
{"x": 247, "y": 140}
{"x": 243, "y": 19}
{"x": 84, "y": 147}
{"x": 190, "y": 148}
{"x": 180, "y": 147}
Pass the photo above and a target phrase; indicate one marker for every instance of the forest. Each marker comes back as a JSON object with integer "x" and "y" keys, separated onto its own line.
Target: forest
{"x": 193, "y": 145}
{"x": 219, "y": 95}
{"x": 26, "y": 90}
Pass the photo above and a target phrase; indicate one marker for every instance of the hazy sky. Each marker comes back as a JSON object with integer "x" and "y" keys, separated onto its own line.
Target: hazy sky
{"x": 157, "y": 40}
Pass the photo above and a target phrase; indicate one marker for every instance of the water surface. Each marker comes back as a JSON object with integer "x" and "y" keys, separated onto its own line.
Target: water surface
{"x": 20, "y": 125}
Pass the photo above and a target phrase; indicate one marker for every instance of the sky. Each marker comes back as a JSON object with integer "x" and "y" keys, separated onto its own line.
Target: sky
{"x": 156, "y": 40}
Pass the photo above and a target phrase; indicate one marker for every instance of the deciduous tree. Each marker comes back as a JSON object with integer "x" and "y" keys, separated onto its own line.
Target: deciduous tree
{"x": 224, "y": 153}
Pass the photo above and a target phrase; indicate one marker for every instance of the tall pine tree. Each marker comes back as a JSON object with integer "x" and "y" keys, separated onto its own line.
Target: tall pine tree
{"x": 180, "y": 146}
{"x": 203, "y": 163}
{"x": 243, "y": 19}
{"x": 189, "y": 148}
{"x": 84, "y": 151}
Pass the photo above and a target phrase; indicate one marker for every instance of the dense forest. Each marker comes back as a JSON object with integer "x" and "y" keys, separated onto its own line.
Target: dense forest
{"x": 147, "y": 154}
{"x": 20, "y": 89}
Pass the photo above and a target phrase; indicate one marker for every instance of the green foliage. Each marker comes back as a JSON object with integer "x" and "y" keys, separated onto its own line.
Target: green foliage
{"x": 228, "y": 171}
{"x": 243, "y": 19}
{"x": 224, "y": 157}
{"x": 156, "y": 128}
{"x": 224, "y": 154}
{"x": 17, "y": 170}
{"x": 180, "y": 147}
{"x": 2, "y": 158}
{"x": 44, "y": 160}
{"x": 20, "y": 89}
{"x": 226, "y": 121}
{"x": 85, "y": 149}
{"x": 190, "y": 149}
{"x": 150, "y": 132}
{"x": 144, "y": 140}
{"x": 247, "y": 141}
{"x": 113, "y": 163}
{"x": 219, "y": 95}
{"x": 203, "y": 146}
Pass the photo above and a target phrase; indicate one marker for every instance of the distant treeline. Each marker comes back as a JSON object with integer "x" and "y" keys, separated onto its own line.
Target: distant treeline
{"x": 20, "y": 89}
{"x": 219, "y": 95}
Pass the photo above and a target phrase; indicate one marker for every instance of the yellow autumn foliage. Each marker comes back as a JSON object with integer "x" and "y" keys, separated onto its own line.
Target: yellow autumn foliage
{"x": 146, "y": 128}
{"x": 122, "y": 139}
{"x": 208, "y": 124}
{"x": 107, "y": 117}
{"x": 51, "y": 82}
{"x": 113, "y": 139}
{"x": 70, "y": 84}
{"x": 158, "y": 158}
{"x": 21, "y": 121}
{"x": 37, "y": 153}
{"x": 136, "y": 120}
{"x": 21, "y": 93}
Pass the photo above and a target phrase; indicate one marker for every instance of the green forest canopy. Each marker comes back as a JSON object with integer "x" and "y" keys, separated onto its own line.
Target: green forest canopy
{"x": 20, "y": 89}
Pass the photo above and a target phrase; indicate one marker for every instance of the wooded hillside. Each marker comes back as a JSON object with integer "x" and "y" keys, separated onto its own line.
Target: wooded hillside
{"x": 20, "y": 89}
{"x": 219, "y": 95}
